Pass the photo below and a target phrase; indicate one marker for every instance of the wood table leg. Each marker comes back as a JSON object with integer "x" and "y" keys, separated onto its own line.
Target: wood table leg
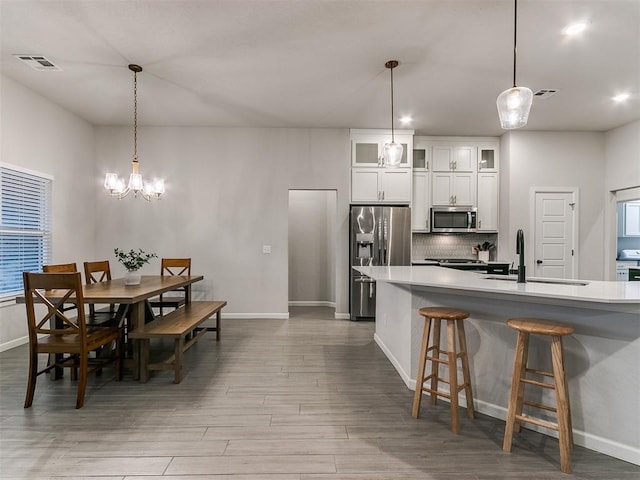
{"x": 137, "y": 322}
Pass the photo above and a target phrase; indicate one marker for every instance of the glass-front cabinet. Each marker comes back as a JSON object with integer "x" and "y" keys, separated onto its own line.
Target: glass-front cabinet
{"x": 488, "y": 158}
{"x": 367, "y": 147}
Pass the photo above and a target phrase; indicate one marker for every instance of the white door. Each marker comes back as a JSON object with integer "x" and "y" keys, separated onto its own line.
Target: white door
{"x": 554, "y": 249}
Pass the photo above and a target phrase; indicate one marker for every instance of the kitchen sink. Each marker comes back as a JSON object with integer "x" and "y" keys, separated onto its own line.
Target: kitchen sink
{"x": 554, "y": 281}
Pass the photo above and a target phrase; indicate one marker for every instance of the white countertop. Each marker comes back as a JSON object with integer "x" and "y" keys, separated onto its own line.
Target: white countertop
{"x": 448, "y": 278}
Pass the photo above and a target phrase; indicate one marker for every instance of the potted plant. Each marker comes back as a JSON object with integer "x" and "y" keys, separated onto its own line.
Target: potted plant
{"x": 133, "y": 261}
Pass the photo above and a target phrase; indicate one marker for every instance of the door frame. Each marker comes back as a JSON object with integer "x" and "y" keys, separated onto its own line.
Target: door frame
{"x": 574, "y": 191}
{"x": 610, "y": 227}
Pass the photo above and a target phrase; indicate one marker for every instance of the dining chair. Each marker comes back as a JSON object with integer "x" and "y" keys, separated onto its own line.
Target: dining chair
{"x": 60, "y": 268}
{"x": 173, "y": 267}
{"x": 96, "y": 272}
{"x": 69, "y": 340}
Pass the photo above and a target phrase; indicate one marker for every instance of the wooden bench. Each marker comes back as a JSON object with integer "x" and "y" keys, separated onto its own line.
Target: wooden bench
{"x": 177, "y": 324}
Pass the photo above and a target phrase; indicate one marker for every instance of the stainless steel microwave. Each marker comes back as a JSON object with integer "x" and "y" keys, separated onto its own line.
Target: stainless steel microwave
{"x": 453, "y": 219}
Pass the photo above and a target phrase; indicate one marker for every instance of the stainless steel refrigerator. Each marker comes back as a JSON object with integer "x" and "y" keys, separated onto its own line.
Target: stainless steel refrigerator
{"x": 379, "y": 236}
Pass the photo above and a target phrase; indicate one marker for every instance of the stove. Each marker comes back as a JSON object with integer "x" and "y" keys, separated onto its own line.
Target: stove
{"x": 454, "y": 260}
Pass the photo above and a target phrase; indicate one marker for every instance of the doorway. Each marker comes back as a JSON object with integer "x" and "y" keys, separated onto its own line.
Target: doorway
{"x": 555, "y": 229}
{"x": 312, "y": 250}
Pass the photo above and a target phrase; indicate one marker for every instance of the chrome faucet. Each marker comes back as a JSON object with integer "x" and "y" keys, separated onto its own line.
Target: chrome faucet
{"x": 520, "y": 252}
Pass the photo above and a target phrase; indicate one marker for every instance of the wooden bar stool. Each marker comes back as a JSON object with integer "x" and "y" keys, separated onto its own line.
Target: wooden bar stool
{"x": 525, "y": 327}
{"x": 455, "y": 318}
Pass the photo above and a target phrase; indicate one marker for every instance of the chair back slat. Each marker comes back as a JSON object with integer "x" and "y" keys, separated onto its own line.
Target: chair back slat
{"x": 60, "y": 268}
{"x": 95, "y": 272}
{"x": 175, "y": 266}
{"x": 70, "y": 284}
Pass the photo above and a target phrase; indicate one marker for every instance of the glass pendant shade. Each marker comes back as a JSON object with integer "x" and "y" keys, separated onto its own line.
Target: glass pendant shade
{"x": 111, "y": 181}
{"x": 392, "y": 154}
{"x": 514, "y": 105}
{"x": 135, "y": 181}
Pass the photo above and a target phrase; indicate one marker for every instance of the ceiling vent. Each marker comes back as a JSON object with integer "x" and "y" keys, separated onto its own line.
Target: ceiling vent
{"x": 546, "y": 92}
{"x": 38, "y": 62}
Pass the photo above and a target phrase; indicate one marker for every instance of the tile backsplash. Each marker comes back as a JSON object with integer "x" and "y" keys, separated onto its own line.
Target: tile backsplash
{"x": 433, "y": 245}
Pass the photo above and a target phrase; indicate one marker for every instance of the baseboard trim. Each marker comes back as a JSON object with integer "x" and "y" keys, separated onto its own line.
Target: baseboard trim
{"x": 312, "y": 303}
{"x": 599, "y": 444}
{"x": 342, "y": 316}
{"x": 13, "y": 343}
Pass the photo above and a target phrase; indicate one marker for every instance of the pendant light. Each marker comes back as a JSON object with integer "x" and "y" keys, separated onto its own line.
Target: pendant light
{"x": 116, "y": 185}
{"x": 393, "y": 150}
{"x": 514, "y": 104}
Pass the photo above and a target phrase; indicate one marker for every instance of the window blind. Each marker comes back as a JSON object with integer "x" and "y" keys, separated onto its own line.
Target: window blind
{"x": 25, "y": 226}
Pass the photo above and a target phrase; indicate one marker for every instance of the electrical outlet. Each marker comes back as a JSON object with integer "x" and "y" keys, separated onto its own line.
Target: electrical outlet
{"x": 266, "y": 249}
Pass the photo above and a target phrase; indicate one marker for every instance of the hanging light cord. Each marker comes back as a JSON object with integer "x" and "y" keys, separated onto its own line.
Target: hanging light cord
{"x": 135, "y": 116}
{"x": 515, "y": 36}
{"x": 392, "y": 133}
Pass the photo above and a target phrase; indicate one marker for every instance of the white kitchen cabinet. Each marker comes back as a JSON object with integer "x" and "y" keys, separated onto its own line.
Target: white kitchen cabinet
{"x": 455, "y": 189}
{"x": 454, "y": 158}
{"x": 488, "y": 187}
{"x": 367, "y": 147}
{"x": 390, "y": 185}
{"x": 421, "y": 154}
{"x": 421, "y": 202}
{"x": 488, "y": 158}
{"x": 632, "y": 219}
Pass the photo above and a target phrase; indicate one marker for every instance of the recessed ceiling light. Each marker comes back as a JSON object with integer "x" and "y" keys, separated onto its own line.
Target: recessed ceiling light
{"x": 406, "y": 119}
{"x": 622, "y": 97}
{"x": 574, "y": 29}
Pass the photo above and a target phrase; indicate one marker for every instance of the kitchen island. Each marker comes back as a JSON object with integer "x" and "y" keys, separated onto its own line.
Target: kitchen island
{"x": 602, "y": 356}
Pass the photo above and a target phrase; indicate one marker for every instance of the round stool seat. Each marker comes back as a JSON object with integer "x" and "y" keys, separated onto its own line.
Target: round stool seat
{"x": 539, "y": 327}
{"x": 444, "y": 313}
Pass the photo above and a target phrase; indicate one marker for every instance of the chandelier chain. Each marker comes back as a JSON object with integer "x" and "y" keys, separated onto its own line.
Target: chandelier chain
{"x": 135, "y": 116}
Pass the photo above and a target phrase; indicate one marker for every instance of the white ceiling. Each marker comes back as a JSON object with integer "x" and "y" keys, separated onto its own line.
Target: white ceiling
{"x": 320, "y": 63}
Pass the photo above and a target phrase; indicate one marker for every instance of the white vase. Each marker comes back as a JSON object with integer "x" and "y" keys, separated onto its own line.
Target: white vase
{"x": 132, "y": 278}
{"x": 483, "y": 256}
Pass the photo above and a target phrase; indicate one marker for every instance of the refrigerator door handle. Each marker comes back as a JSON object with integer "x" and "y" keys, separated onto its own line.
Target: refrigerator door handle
{"x": 380, "y": 244}
{"x": 384, "y": 245}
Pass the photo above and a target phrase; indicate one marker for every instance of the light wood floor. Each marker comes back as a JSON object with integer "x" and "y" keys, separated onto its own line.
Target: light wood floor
{"x": 299, "y": 399}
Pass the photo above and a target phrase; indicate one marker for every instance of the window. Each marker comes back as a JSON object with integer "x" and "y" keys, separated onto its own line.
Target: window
{"x": 25, "y": 226}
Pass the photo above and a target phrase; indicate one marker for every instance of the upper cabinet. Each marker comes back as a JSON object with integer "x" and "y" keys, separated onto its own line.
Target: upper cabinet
{"x": 371, "y": 180}
{"x": 373, "y": 185}
{"x": 488, "y": 158}
{"x": 367, "y": 147}
{"x": 421, "y": 154}
{"x": 454, "y": 158}
{"x": 631, "y": 219}
{"x": 454, "y": 189}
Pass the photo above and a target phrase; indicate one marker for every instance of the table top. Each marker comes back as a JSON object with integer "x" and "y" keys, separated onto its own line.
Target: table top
{"x": 115, "y": 291}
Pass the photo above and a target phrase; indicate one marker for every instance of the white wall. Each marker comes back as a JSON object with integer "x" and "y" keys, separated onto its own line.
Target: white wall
{"x": 227, "y": 196}
{"x": 39, "y": 135}
{"x": 311, "y": 247}
{"x": 622, "y": 157}
{"x": 554, "y": 159}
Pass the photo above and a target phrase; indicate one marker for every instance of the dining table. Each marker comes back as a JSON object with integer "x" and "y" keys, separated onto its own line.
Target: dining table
{"x": 133, "y": 300}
